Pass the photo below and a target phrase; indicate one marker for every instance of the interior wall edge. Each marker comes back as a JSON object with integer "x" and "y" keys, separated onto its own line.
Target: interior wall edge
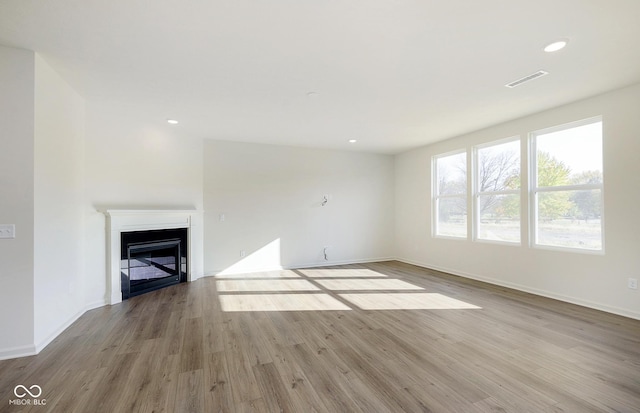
{"x": 519, "y": 287}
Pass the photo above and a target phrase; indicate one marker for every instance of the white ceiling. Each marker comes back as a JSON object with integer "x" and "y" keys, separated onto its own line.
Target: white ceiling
{"x": 394, "y": 74}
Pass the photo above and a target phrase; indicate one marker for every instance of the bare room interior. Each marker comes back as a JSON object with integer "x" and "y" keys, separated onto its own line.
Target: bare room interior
{"x": 369, "y": 206}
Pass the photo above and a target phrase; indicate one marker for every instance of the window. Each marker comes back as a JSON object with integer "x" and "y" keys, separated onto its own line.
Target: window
{"x": 497, "y": 187}
{"x": 563, "y": 192}
{"x": 450, "y": 195}
{"x": 567, "y": 184}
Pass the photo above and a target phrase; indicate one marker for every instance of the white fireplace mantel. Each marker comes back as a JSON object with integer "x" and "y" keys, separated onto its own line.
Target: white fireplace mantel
{"x": 126, "y": 220}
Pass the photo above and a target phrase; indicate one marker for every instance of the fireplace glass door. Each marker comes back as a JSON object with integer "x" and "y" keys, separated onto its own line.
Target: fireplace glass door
{"x": 152, "y": 265}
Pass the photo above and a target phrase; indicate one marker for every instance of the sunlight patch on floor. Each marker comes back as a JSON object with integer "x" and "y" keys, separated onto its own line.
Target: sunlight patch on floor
{"x": 406, "y": 301}
{"x": 340, "y": 273}
{"x": 361, "y": 284}
{"x": 259, "y": 275}
{"x": 327, "y": 289}
{"x": 281, "y": 302}
{"x": 265, "y": 285}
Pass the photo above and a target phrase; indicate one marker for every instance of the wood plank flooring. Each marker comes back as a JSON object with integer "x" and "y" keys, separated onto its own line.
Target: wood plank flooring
{"x": 379, "y": 337}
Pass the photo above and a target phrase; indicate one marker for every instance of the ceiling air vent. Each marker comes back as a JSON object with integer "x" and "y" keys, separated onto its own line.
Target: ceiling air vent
{"x": 526, "y": 79}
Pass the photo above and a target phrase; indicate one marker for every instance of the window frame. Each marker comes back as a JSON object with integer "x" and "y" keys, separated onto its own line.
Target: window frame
{"x": 435, "y": 196}
{"x": 534, "y": 190}
{"x": 476, "y": 193}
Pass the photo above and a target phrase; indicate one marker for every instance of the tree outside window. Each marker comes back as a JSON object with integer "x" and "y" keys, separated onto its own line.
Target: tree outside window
{"x": 450, "y": 195}
{"x": 567, "y": 187}
{"x": 498, "y": 191}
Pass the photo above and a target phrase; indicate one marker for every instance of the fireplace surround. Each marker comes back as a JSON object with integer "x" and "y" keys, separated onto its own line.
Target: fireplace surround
{"x": 131, "y": 221}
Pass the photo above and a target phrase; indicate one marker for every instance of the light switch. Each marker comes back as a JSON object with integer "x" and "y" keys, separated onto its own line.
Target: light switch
{"x": 7, "y": 231}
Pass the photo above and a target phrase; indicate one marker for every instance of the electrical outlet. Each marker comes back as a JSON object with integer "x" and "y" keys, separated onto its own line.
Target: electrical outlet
{"x": 242, "y": 253}
{"x": 633, "y": 283}
{"x": 222, "y": 218}
{"x": 7, "y": 231}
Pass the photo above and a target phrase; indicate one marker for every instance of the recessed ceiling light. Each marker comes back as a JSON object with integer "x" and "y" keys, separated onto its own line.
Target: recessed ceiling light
{"x": 172, "y": 121}
{"x": 352, "y": 141}
{"x": 555, "y": 46}
{"x": 313, "y": 95}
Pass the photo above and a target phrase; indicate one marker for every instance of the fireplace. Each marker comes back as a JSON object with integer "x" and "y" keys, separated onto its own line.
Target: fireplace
{"x": 150, "y": 260}
{"x": 146, "y": 240}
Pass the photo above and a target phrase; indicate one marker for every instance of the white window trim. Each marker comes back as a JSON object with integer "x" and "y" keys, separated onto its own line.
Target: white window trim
{"x": 534, "y": 190}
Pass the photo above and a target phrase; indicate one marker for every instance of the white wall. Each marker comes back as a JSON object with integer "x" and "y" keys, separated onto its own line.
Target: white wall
{"x": 54, "y": 182}
{"x": 599, "y": 281}
{"x": 58, "y": 246}
{"x": 132, "y": 167}
{"x": 271, "y": 198}
{"x": 16, "y": 201}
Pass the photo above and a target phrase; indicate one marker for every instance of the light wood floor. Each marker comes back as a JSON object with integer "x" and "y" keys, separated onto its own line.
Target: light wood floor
{"x": 381, "y": 337}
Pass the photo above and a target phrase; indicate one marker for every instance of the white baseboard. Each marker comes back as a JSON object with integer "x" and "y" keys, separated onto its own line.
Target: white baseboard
{"x": 88, "y": 306}
{"x": 214, "y": 273}
{"x": 95, "y": 304}
{"x": 344, "y": 262}
{"x": 249, "y": 270}
{"x": 543, "y": 293}
{"x": 33, "y": 349}
{"x": 44, "y": 343}
{"x": 16, "y": 352}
